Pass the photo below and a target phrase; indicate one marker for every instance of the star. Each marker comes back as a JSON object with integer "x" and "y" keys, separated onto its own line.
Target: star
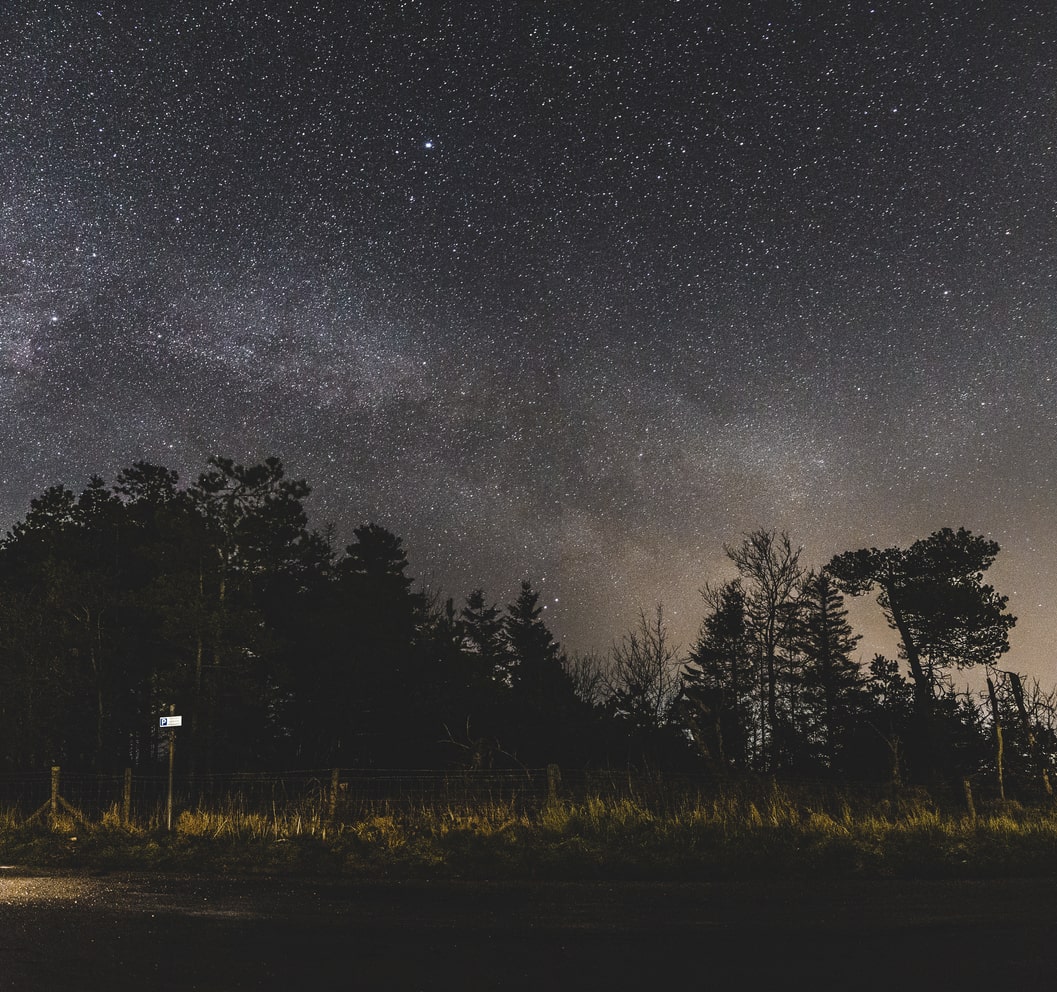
{"x": 666, "y": 292}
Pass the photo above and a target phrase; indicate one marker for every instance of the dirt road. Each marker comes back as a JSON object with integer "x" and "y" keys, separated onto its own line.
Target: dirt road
{"x": 162, "y": 932}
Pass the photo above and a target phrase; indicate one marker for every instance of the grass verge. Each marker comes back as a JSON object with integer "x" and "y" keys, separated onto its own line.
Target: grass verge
{"x": 725, "y": 837}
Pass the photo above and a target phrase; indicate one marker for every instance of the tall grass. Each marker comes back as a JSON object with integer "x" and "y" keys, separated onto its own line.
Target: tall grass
{"x": 766, "y": 832}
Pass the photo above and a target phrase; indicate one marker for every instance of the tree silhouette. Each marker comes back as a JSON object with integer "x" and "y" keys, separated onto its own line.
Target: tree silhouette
{"x": 255, "y": 534}
{"x": 116, "y": 602}
{"x": 832, "y": 680}
{"x": 933, "y": 595}
{"x": 721, "y": 677}
{"x": 770, "y": 572}
{"x": 643, "y": 685}
{"x": 484, "y": 636}
{"x": 544, "y": 700}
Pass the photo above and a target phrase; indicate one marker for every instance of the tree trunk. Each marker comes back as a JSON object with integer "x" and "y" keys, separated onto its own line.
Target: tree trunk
{"x": 996, "y": 720}
{"x": 922, "y": 685}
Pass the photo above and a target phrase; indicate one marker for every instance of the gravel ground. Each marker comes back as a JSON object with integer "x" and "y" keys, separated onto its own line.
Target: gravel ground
{"x": 157, "y": 931}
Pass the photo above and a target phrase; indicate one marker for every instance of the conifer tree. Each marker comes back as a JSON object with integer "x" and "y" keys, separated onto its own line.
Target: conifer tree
{"x": 721, "y": 677}
{"x": 484, "y": 637}
{"x": 832, "y": 680}
{"x": 543, "y": 697}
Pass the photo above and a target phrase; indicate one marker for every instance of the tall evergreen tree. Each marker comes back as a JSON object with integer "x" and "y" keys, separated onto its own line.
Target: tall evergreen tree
{"x": 543, "y": 697}
{"x": 832, "y": 679}
{"x": 720, "y": 679}
{"x": 385, "y": 680}
{"x": 484, "y": 636}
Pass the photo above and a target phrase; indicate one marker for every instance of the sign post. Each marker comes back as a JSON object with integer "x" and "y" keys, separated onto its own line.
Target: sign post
{"x": 170, "y": 722}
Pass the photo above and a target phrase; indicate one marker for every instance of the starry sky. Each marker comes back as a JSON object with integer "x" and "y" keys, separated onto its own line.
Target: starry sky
{"x": 571, "y": 291}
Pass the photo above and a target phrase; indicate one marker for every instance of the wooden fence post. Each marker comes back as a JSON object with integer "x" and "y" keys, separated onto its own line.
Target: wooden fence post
{"x": 51, "y": 807}
{"x": 332, "y": 805}
{"x": 126, "y": 798}
{"x": 54, "y": 803}
{"x": 554, "y": 781}
{"x": 970, "y": 805}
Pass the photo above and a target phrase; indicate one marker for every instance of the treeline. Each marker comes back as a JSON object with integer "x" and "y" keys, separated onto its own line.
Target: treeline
{"x": 278, "y": 650}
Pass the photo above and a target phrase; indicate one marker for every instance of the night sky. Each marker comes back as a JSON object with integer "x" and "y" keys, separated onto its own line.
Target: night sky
{"x": 576, "y": 292}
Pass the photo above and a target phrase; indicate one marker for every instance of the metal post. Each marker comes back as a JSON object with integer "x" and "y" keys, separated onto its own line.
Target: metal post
{"x": 172, "y": 753}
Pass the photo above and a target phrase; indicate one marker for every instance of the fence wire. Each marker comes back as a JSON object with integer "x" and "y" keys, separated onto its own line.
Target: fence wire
{"x": 342, "y": 794}
{"x": 348, "y": 794}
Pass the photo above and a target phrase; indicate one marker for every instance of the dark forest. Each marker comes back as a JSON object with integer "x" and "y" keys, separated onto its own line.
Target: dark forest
{"x": 283, "y": 652}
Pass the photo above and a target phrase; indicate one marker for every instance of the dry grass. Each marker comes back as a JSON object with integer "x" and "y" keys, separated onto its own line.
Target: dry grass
{"x": 773, "y": 831}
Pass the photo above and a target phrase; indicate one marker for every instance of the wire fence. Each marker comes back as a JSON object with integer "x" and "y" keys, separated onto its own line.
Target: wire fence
{"x": 348, "y": 794}
{"x": 341, "y": 794}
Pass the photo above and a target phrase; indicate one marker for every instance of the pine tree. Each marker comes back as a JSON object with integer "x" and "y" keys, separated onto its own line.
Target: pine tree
{"x": 720, "y": 678}
{"x": 544, "y": 701}
{"x": 934, "y": 596}
{"x": 832, "y": 679}
{"x": 485, "y": 641}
